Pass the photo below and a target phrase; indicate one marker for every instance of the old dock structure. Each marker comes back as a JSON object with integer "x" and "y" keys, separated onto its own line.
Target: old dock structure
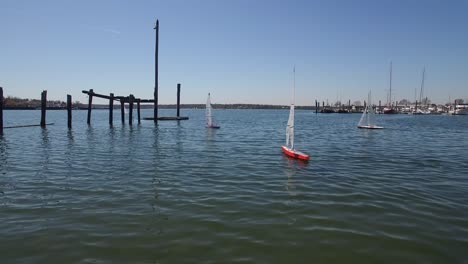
{"x": 42, "y": 124}
{"x": 131, "y": 100}
{"x": 156, "y": 86}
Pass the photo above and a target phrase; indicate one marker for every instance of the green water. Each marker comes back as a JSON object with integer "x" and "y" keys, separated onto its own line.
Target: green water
{"x": 179, "y": 193}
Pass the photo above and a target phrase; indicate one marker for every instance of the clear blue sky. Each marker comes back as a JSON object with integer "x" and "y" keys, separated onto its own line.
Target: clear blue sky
{"x": 240, "y": 51}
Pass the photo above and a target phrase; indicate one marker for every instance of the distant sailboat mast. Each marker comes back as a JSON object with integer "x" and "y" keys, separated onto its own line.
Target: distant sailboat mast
{"x": 293, "y": 106}
{"x": 422, "y": 86}
{"x": 368, "y": 116}
{"x": 390, "y": 96}
{"x": 290, "y": 126}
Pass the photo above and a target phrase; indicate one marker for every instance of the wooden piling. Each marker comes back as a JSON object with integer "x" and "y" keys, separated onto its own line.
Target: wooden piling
{"x": 122, "y": 110}
{"x": 90, "y": 103}
{"x": 156, "y": 73}
{"x": 69, "y": 110}
{"x": 416, "y": 106}
{"x": 380, "y": 106}
{"x": 43, "y": 108}
{"x": 130, "y": 108}
{"x": 111, "y": 109}
{"x": 138, "y": 111}
{"x": 1, "y": 110}
{"x": 316, "y": 106}
{"x": 178, "y": 100}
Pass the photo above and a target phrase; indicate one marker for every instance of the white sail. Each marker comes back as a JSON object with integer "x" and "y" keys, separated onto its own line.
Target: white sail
{"x": 209, "y": 114}
{"x": 363, "y": 120}
{"x": 370, "y": 111}
{"x": 368, "y": 116}
{"x": 290, "y": 129}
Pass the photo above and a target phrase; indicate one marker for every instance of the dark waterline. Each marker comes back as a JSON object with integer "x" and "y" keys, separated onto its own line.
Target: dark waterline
{"x": 177, "y": 192}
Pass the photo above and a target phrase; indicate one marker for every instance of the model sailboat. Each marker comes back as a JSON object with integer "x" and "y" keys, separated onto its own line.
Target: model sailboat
{"x": 367, "y": 119}
{"x": 209, "y": 114}
{"x": 289, "y": 149}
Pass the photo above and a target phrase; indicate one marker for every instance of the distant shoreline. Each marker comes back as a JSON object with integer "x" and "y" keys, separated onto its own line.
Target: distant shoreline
{"x": 182, "y": 106}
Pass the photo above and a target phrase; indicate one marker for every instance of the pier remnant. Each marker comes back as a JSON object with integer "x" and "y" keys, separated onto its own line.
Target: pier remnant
{"x": 111, "y": 109}
{"x": 122, "y": 110}
{"x": 178, "y": 100}
{"x": 69, "y": 110}
{"x": 1, "y": 110}
{"x": 138, "y": 110}
{"x": 316, "y": 106}
{"x": 130, "y": 109}
{"x": 43, "y": 108}
{"x": 122, "y": 100}
{"x": 156, "y": 73}
{"x": 90, "y": 102}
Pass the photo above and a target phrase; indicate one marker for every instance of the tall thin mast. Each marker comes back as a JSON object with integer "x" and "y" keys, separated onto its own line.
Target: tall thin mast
{"x": 390, "y": 96}
{"x": 292, "y": 107}
{"x": 294, "y": 85}
{"x": 156, "y": 73}
{"x": 422, "y": 86}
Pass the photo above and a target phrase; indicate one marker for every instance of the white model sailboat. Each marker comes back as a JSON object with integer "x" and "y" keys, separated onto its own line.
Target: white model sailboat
{"x": 368, "y": 119}
{"x": 209, "y": 114}
{"x": 289, "y": 149}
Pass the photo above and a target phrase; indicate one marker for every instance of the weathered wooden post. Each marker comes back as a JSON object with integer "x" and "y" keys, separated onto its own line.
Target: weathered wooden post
{"x": 1, "y": 110}
{"x": 349, "y": 105}
{"x": 416, "y": 106}
{"x": 122, "y": 110}
{"x": 90, "y": 102}
{"x": 380, "y": 106}
{"x": 316, "y": 106}
{"x": 178, "y": 100}
{"x": 43, "y": 108}
{"x": 156, "y": 73}
{"x": 111, "y": 109}
{"x": 138, "y": 110}
{"x": 69, "y": 110}
{"x": 130, "y": 108}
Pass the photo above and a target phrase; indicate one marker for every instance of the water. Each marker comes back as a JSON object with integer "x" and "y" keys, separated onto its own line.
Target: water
{"x": 179, "y": 193}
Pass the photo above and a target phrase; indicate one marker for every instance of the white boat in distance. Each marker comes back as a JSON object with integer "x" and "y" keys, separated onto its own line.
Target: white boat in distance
{"x": 368, "y": 119}
{"x": 460, "y": 109}
{"x": 209, "y": 115}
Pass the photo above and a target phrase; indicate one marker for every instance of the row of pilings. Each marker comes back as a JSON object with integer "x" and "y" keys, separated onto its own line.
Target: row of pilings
{"x": 131, "y": 100}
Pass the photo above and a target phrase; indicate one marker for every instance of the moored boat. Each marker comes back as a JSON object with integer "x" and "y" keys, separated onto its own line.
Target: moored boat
{"x": 367, "y": 119}
{"x": 210, "y": 123}
{"x": 289, "y": 149}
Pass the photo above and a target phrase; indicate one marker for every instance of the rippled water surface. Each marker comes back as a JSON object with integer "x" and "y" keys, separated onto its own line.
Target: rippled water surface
{"x": 179, "y": 193}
